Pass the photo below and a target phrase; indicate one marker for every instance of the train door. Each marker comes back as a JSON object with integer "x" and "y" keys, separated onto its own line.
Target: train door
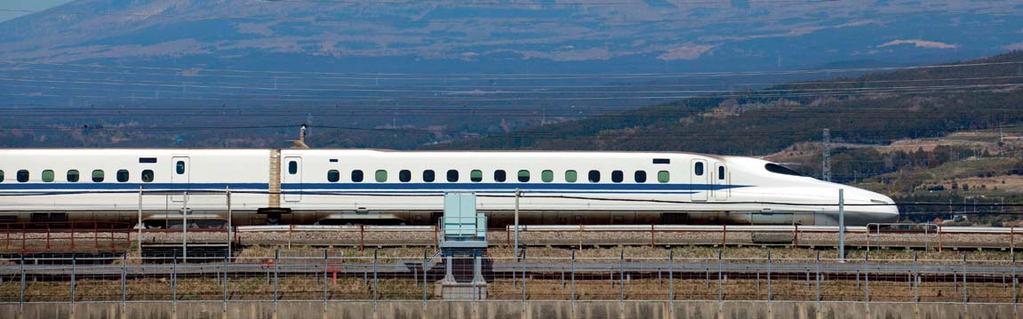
{"x": 292, "y": 178}
{"x": 181, "y": 175}
{"x": 721, "y": 178}
{"x": 700, "y": 179}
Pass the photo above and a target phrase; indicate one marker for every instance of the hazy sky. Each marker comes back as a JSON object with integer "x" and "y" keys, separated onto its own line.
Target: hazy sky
{"x": 10, "y": 9}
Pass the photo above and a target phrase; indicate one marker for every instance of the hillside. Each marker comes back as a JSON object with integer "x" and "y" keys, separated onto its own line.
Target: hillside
{"x": 876, "y": 108}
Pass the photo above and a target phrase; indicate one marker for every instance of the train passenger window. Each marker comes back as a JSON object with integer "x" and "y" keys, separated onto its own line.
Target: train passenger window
{"x": 357, "y": 176}
{"x": 47, "y": 175}
{"x": 405, "y": 176}
{"x": 452, "y": 176}
{"x": 721, "y": 172}
{"x": 22, "y": 176}
{"x": 640, "y": 176}
{"x": 147, "y": 176}
{"x": 594, "y": 176}
{"x": 1, "y": 175}
{"x": 698, "y": 169}
{"x": 571, "y": 176}
{"x": 523, "y": 176}
{"x": 500, "y": 176}
{"x": 122, "y": 175}
{"x": 476, "y": 175}
{"x": 547, "y": 176}
{"x": 97, "y": 175}
{"x": 293, "y": 167}
{"x": 72, "y": 175}
{"x": 332, "y": 176}
{"x": 663, "y": 176}
{"x": 617, "y": 176}
{"x": 429, "y": 176}
{"x": 381, "y": 176}
{"x": 179, "y": 167}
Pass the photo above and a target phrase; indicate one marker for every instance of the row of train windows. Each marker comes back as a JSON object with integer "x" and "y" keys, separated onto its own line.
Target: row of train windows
{"x": 73, "y": 176}
{"x": 500, "y": 176}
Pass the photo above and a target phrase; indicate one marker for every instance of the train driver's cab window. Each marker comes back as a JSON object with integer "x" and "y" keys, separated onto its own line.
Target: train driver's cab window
{"x": 122, "y": 175}
{"x": 721, "y": 173}
{"x": 381, "y": 176}
{"x": 663, "y": 176}
{"x": 775, "y": 168}
{"x": 594, "y": 176}
{"x": 97, "y": 175}
{"x": 73, "y": 175}
{"x": 22, "y": 176}
{"x": 547, "y": 176}
{"x": 452, "y": 176}
{"x": 333, "y": 176}
{"x": 47, "y": 175}
{"x": 617, "y": 176}
{"x": 405, "y": 176}
{"x": 500, "y": 176}
{"x": 476, "y": 175}
{"x": 640, "y": 177}
{"x": 148, "y": 176}
{"x": 293, "y": 167}
{"x": 429, "y": 176}
{"x": 357, "y": 176}
{"x": 698, "y": 169}
{"x": 523, "y": 176}
{"x": 571, "y": 176}
{"x": 179, "y": 167}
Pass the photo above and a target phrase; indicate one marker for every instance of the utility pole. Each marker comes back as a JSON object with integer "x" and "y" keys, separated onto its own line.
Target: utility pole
{"x": 841, "y": 225}
{"x": 826, "y": 156}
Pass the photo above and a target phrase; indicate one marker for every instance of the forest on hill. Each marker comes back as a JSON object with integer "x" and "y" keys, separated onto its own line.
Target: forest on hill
{"x": 875, "y": 108}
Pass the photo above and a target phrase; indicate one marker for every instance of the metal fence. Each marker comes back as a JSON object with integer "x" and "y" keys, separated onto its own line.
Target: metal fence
{"x": 329, "y": 277}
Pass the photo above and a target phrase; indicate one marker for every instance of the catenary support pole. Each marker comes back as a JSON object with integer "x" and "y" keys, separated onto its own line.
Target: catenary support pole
{"x": 230, "y": 223}
{"x": 184, "y": 228}
{"x": 517, "y": 194}
{"x": 138, "y": 238}
{"x": 841, "y": 225}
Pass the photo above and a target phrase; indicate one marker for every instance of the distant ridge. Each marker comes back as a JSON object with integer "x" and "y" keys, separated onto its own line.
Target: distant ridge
{"x": 873, "y": 108}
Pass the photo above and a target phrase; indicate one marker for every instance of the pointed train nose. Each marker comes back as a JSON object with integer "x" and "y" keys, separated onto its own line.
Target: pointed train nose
{"x": 863, "y": 207}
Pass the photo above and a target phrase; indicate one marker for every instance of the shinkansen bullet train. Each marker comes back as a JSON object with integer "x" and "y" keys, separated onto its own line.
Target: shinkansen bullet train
{"x": 270, "y": 186}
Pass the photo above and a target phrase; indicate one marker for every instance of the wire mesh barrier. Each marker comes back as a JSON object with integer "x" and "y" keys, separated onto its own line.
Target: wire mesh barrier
{"x": 330, "y": 277}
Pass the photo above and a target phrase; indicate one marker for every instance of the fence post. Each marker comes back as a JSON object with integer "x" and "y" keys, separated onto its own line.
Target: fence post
{"x": 74, "y": 266}
{"x": 621, "y": 276}
{"x": 376, "y": 283}
{"x": 916, "y": 279}
{"x": 21, "y": 293}
{"x": 769, "y": 263}
{"x": 227, "y": 266}
{"x": 966, "y": 296}
{"x": 425, "y": 284}
{"x": 522, "y": 283}
{"x": 720, "y": 288}
{"x": 326, "y": 265}
{"x": 671, "y": 281}
{"x": 573, "y": 279}
{"x": 174, "y": 280}
{"x": 276, "y": 283}
{"x": 818, "y": 276}
{"x": 124, "y": 275}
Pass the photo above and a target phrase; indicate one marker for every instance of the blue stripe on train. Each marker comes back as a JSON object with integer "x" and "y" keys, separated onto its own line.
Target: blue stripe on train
{"x": 132, "y": 186}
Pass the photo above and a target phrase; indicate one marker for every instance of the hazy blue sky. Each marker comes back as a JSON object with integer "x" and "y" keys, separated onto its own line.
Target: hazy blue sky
{"x": 10, "y": 9}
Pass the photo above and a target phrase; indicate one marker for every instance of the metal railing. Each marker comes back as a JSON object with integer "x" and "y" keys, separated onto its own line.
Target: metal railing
{"x": 330, "y": 277}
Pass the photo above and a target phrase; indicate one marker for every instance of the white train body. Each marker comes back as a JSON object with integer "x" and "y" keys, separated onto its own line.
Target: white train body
{"x": 306, "y": 186}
